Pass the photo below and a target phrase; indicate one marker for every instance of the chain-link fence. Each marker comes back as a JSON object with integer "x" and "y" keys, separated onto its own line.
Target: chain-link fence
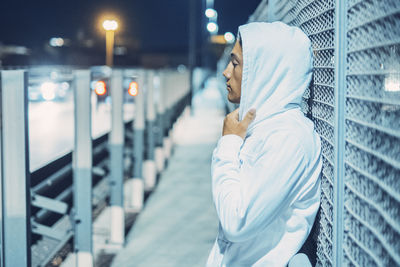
{"x": 359, "y": 219}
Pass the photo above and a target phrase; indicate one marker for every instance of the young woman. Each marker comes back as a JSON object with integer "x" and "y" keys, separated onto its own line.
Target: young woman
{"x": 266, "y": 166}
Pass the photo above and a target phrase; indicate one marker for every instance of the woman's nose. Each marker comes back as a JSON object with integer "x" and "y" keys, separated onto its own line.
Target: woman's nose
{"x": 227, "y": 73}
{"x": 224, "y": 73}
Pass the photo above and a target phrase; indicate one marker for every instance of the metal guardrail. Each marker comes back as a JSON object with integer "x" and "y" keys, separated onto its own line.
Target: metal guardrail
{"x": 57, "y": 203}
{"x": 52, "y": 193}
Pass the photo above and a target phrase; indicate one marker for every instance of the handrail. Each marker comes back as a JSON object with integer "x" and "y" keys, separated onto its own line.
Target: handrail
{"x": 51, "y": 206}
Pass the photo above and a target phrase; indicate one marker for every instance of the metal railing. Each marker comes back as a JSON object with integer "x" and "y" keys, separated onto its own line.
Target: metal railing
{"x": 49, "y": 212}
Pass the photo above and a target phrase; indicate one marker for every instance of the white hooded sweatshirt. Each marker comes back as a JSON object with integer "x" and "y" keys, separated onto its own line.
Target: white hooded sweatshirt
{"x": 266, "y": 189}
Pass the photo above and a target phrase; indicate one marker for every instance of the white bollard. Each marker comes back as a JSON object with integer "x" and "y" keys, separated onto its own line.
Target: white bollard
{"x": 135, "y": 194}
{"x": 117, "y": 223}
{"x": 159, "y": 159}
{"x": 84, "y": 259}
{"x": 149, "y": 174}
{"x": 167, "y": 145}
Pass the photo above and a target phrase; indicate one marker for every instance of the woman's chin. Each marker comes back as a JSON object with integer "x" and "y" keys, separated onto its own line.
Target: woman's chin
{"x": 233, "y": 99}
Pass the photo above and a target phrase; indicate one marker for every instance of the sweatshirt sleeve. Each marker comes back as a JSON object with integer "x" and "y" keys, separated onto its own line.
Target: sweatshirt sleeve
{"x": 249, "y": 194}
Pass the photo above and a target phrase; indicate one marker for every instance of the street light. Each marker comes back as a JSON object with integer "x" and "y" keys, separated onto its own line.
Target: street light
{"x": 211, "y": 13}
{"x": 110, "y": 26}
{"x": 212, "y": 27}
{"x": 229, "y": 37}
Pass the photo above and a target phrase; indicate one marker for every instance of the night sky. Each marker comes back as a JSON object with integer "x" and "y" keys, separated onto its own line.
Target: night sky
{"x": 156, "y": 24}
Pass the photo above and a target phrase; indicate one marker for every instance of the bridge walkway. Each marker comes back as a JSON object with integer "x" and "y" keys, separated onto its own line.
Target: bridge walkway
{"x": 179, "y": 224}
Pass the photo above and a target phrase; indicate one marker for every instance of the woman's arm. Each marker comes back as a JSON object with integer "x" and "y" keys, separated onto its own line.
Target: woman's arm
{"x": 249, "y": 195}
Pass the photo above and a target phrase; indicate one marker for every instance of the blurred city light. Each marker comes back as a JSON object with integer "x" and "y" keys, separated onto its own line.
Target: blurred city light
{"x": 133, "y": 89}
{"x": 14, "y": 49}
{"x": 100, "y": 88}
{"x": 65, "y": 86}
{"x": 54, "y": 75}
{"x": 229, "y": 37}
{"x": 212, "y": 27}
{"x": 56, "y": 42}
{"x": 211, "y": 13}
{"x": 218, "y": 39}
{"x": 48, "y": 90}
{"x": 181, "y": 68}
{"x": 120, "y": 51}
{"x": 110, "y": 25}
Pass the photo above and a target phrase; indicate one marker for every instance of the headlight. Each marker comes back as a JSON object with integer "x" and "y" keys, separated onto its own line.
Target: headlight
{"x": 48, "y": 90}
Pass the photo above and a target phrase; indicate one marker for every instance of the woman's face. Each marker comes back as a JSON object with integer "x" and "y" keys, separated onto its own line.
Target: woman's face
{"x": 233, "y": 74}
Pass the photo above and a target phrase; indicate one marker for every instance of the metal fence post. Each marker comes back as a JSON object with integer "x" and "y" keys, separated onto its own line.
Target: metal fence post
{"x": 15, "y": 175}
{"x": 82, "y": 170}
{"x": 339, "y": 131}
{"x": 149, "y": 166}
{"x": 116, "y": 146}
{"x": 136, "y": 186}
{"x": 168, "y": 110}
{"x": 159, "y": 97}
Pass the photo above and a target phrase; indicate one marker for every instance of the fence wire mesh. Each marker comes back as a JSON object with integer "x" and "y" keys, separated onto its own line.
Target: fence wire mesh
{"x": 371, "y": 212}
{"x": 372, "y": 149}
{"x": 316, "y": 19}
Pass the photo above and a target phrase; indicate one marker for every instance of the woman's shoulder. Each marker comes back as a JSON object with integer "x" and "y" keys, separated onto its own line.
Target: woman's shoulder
{"x": 289, "y": 135}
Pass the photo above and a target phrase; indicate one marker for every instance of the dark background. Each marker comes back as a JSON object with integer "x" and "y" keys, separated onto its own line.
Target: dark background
{"x": 150, "y": 30}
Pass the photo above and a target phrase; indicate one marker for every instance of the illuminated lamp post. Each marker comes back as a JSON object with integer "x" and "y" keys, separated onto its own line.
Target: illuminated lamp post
{"x": 110, "y": 26}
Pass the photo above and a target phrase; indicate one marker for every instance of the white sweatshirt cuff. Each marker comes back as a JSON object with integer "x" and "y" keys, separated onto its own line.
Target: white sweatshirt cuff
{"x": 228, "y": 147}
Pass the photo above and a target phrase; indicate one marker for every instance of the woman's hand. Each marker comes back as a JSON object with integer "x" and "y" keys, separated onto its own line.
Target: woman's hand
{"x": 232, "y": 125}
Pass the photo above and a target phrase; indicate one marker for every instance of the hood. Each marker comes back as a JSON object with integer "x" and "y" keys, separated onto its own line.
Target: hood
{"x": 277, "y": 69}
